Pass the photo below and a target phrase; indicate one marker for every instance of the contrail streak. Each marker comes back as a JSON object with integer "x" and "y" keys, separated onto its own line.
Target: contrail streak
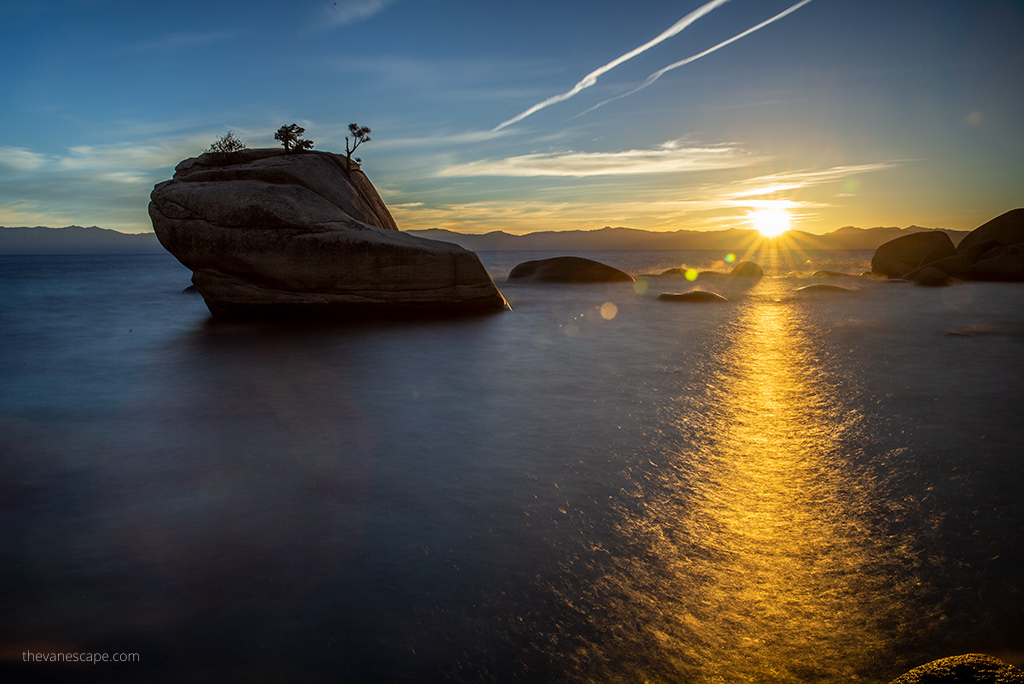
{"x": 675, "y": 65}
{"x": 591, "y": 78}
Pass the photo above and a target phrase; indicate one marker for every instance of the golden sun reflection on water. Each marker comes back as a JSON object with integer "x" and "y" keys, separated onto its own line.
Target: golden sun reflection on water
{"x": 788, "y": 544}
{"x": 752, "y": 559}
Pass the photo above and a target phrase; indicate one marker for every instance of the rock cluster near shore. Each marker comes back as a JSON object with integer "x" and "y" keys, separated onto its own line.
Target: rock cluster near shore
{"x": 267, "y": 232}
{"x": 993, "y": 251}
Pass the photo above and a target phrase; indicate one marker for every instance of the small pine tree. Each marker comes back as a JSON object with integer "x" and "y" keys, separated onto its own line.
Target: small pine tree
{"x": 225, "y": 144}
{"x": 289, "y": 137}
{"x": 360, "y": 134}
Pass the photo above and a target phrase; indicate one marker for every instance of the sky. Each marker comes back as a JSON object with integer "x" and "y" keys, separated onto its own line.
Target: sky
{"x": 531, "y": 115}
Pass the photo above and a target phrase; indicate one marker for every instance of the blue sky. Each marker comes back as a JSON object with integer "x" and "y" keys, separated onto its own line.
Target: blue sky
{"x": 874, "y": 112}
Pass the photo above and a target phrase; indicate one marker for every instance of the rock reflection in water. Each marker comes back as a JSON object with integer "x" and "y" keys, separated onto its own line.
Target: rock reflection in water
{"x": 754, "y": 556}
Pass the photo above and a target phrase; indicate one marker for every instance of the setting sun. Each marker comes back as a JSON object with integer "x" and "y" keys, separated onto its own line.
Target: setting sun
{"x": 770, "y": 222}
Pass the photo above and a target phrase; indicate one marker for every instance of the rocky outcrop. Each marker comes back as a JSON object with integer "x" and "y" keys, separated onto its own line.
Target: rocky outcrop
{"x": 993, "y": 251}
{"x": 267, "y": 232}
{"x": 899, "y": 257}
{"x": 568, "y": 269}
{"x": 1003, "y": 263}
{"x": 1006, "y": 229}
{"x": 700, "y": 296}
{"x": 973, "y": 667}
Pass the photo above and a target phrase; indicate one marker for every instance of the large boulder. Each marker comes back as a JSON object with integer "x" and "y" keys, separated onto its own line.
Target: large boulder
{"x": 1006, "y": 229}
{"x": 568, "y": 269}
{"x": 957, "y": 266}
{"x": 901, "y": 255}
{"x": 267, "y": 232}
{"x": 972, "y": 667}
{"x": 1003, "y": 263}
{"x": 997, "y": 248}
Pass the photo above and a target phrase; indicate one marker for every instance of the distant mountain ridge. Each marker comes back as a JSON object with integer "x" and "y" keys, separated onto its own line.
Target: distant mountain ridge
{"x": 96, "y": 240}
{"x": 608, "y": 238}
{"x": 75, "y": 240}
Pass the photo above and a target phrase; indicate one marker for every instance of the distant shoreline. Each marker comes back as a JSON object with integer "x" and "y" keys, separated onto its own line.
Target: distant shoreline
{"x": 70, "y": 240}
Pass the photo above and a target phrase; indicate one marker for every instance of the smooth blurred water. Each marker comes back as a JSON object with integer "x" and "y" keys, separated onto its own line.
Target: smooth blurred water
{"x": 596, "y": 486}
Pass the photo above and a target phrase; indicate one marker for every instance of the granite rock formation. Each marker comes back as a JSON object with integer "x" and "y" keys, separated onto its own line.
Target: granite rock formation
{"x": 267, "y": 232}
{"x": 993, "y": 251}
{"x": 899, "y": 257}
{"x": 568, "y": 269}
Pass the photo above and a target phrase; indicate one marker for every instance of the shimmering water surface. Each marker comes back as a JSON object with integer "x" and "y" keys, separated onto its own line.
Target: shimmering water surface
{"x": 597, "y": 486}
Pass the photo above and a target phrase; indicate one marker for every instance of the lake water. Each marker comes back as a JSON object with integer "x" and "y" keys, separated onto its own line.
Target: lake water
{"x": 596, "y": 486}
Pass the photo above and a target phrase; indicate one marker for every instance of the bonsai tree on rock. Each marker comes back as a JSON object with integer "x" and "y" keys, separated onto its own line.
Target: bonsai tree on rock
{"x": 360, "y": 134}
{"x": 225, "y": 144}
{"x": 289, "y": 137}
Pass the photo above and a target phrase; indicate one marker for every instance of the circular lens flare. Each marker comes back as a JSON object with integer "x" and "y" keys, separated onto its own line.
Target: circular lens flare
{"x": 770, "y": 222}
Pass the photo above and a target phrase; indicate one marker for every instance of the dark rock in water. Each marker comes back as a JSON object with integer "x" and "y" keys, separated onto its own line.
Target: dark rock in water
{"x": 908, "y": 251}
{"x": 267, "y": 232}
{"x": 824, "y": 289}
{"x": 830, "y": 274}
{"x": 979, "y": 250}
{"x": 890, "y": 268}
{"x": 928, "y": 276}
{"x": 746, "y": 269}
{"x": 1006, "y": 229}
{"x": 681, "y": 272}
{"x": 568, "y": 269}
{"x": 973, "y": 668}
{"x": 957, "y": 266}
{"x": 1002, "y": 264}
{"x": 936, "y": 255}
{"x": 191, "y": 289}
{"x": 694, "y": 296}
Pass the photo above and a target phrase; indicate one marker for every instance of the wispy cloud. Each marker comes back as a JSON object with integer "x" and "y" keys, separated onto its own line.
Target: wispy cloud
{"x": 105, "y": 185}
{"x": 345, "y": 12}
{"x": 20, "y": 159}
{"x": 591, "y": 78}
{"x": 693, "y": 204}
{"x": 693, "y": 58}
{"x": 670, "y": 157}
{"x": 795, "y": 180}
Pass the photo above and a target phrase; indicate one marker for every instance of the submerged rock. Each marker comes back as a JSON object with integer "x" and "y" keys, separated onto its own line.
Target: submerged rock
{"x": 831, "y": 274}
{"x": 746, "y": 269}
{"x": 694, "y": 296}
{"x": 568, "y": 269}
{"x": 975, "y": 668}
{"x": 824, "y": 289}
{"x": 681, "y": 273}
{"x": 267, "y": 232}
